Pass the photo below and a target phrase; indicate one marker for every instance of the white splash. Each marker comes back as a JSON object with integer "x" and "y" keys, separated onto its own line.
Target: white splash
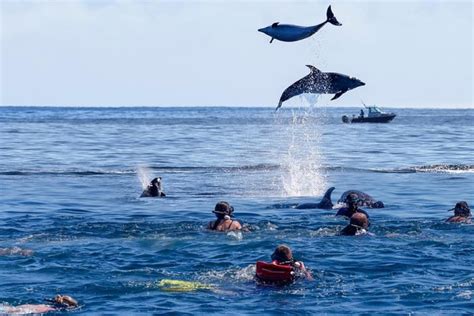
{"x": 143, "y": 174}
{"x": 301, "y": 163}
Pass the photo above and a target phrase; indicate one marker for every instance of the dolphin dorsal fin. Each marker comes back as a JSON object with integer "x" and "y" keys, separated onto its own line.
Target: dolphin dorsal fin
{"x": 275, "y": 24}
{"x": 313, "y": 69}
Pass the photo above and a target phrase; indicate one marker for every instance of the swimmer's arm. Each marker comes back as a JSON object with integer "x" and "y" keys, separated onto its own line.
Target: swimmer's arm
{"x": 236, "y": 225}
{"x": 307, "y": 274}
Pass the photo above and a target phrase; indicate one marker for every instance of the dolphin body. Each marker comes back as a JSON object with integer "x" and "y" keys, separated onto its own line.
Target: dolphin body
{"x": 320, "y": 82}
{"x": 292, "y": 33}
{"x": 325, "y": 202}
{"x": 365, "y": 200}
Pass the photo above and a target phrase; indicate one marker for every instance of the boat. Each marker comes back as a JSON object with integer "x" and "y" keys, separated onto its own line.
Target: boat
{"x": 374, "y": 115}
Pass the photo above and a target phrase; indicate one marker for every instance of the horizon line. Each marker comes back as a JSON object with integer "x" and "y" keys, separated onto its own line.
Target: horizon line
{"x": 455, "y": 107}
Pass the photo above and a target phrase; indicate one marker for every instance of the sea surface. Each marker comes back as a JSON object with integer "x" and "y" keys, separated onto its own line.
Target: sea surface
{"x": 72, "y": 222}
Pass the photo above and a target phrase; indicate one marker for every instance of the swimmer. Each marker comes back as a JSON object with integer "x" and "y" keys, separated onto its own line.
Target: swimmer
{"x": 58, "y": 303}
{"x": 358, "y": 225}
{"x": 462, "y": 213}
{"x": 351, "y": 208}
{"x": 154, "y": 189}
{"x": 283, "y": 255}
{"x": 224, "y": 213}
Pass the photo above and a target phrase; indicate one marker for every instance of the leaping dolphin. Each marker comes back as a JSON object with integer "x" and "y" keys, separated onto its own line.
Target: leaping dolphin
{"x": 292, "y": 33}
{"x": 320, "y": 82}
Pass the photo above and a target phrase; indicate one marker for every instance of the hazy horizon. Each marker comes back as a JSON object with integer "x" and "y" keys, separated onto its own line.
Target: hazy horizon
{"x": 411, "y": 54}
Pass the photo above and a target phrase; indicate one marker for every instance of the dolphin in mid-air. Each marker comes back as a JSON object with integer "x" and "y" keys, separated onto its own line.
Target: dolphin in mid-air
{"x": 320, "y": 82}
{"x": 292, "y": 33}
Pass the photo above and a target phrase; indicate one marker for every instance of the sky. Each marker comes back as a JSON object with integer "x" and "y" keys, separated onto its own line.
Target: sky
{"x": 209, "y": 53}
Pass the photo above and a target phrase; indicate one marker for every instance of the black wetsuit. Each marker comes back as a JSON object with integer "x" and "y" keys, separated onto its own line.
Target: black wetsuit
{"x": 345, "y": 211}
{"x": 349, "y": 230}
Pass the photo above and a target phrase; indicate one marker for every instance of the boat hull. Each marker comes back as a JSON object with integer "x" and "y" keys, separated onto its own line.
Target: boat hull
{"x": 379, "y": 119}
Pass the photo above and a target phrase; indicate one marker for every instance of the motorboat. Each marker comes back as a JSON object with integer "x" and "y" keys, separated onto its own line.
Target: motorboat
{"x": 374, "y": 115}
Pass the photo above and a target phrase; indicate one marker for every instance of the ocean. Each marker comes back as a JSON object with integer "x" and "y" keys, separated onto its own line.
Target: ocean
{"x": 72, "y": 220}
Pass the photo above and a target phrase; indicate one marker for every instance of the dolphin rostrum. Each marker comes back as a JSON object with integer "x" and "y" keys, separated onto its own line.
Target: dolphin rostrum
{"x": 292, "y": 33}
{"x": 320, "y": 82}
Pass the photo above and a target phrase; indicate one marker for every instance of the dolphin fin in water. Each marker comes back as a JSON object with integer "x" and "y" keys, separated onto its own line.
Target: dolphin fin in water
{"x": 337, "y": 95}
{"x": 331, "y": 18}
{"x": 275, "y": 24}
{"x": 325, "y": 202}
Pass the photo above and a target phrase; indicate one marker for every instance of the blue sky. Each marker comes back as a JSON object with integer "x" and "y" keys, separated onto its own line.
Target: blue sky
{"x": 209, "y": 53}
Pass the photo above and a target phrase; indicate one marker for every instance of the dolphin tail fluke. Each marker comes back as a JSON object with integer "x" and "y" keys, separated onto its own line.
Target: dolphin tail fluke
{"x": 331, "y": 18}
{"x": 279, "y": 105}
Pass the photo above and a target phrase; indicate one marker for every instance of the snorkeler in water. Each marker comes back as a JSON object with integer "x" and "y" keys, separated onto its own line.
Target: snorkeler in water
{"x": 462, "y": 213}
{"x": 284, "y": 256}
{"x": 224, "y": 222}
{"x": 154, "y": 189}
{"x": 358, "y": 225}
{"x": 58, "y": 303}
{"x": 352, "y": 207}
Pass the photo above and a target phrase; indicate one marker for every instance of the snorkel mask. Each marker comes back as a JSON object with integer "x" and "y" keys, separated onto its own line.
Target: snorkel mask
{"x": 223, "y": 209}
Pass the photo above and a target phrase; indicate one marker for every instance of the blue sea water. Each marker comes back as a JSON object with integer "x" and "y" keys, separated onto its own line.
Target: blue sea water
{"x": 70, "y": 181}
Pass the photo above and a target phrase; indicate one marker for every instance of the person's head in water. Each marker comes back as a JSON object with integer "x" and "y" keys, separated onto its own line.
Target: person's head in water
{"x": 352, "y": 200}
{"x": 358, "y": 224}
{"x": 462, "y": 213}
{"x": 223, "y": 210}
{"x": 462, "y": 209}
{"x": 224, "y": 222}
{"x": 63, "y": 301}
{"x": 282, "y": 254}
{"x": 359, "y": 220}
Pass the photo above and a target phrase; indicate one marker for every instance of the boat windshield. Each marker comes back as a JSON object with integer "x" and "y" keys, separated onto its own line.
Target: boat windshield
{"x": 374, "y": 109}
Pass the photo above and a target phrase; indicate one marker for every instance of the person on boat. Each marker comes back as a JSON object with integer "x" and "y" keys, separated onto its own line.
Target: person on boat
{"x": 358, "y": 225}
{"x": 462, "y": 213}
{"x": 352, "y": 207}
{"x": 58, "y": 303}
{"x": 154, "y": 189}
{"x": 224, "y": 222}
{"x": 361, "y": 113}
{"x": 284, "y": 256}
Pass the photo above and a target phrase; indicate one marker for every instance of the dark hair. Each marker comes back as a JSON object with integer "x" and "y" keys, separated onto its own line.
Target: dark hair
{"x": 462, "y": 209}
{"x": 352, "y": 198}
{"x": 282, "y": 253}
{"x": 222, "y": 209}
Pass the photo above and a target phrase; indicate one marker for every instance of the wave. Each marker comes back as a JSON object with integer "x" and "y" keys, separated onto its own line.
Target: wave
{"x": 435, "y": 168}
{"x": 164, "y": 169}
